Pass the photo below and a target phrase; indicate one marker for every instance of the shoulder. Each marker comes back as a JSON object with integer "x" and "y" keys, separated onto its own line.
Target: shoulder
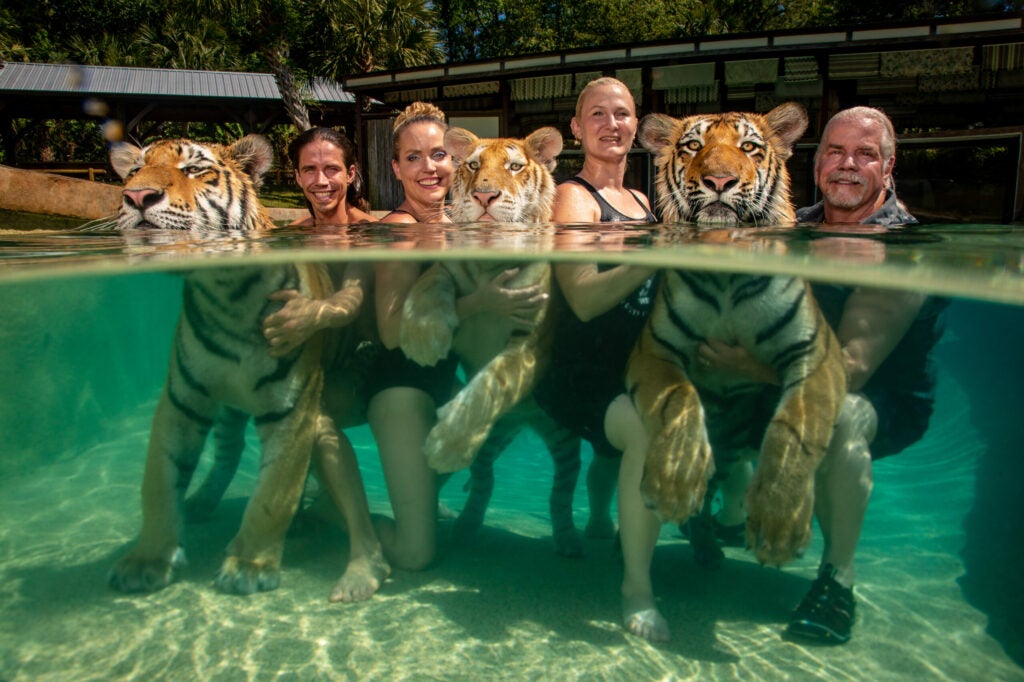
{"x": 574, "y": 204}
{"x": 356, "y": 215}
{"x": 308, "y": 221}
{"x": 811, "y": 214}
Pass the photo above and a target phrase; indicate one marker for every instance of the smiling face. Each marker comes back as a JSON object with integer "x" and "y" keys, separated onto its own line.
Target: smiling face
{"x": 422, "y": 165}
{"x": 851, "y": 170}
{"x": 324, "y": 177}
{"x": 606, "y": 123}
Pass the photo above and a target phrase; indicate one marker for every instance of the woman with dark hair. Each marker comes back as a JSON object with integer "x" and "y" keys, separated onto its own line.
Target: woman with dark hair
{"x": 327, "y": 173}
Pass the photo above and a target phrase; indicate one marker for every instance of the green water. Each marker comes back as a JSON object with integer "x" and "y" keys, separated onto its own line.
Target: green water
{"x": 86, "y": 327}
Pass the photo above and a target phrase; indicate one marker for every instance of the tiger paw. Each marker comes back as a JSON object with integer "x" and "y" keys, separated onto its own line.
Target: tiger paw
{"x": 676, "y": 475}
{"x": 453, "y": 443}
{"x": 426, "y": 339}
{"x": 239, "y": 576}
{"x": 779, "y": 518}
{"x": 145, "y": 574}
{"x": 568, "y": 543}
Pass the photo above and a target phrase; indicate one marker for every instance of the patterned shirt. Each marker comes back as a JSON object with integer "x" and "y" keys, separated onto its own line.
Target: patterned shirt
{"x": 892, "y": 212}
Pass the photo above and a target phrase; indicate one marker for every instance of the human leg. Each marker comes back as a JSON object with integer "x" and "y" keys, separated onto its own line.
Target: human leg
{"x": 400, "y": 419}
{"x": 335, "y": 463}
{"x": 638, "y": 526}
{"x": 843, "y": 485}
{"x": 842, "y": 490}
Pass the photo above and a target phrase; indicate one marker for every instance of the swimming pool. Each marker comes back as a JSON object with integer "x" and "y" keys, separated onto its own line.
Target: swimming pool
{"x": 87, "y": 324}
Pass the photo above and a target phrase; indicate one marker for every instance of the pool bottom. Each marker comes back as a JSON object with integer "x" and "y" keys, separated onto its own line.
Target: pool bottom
{"x": 507, "y": 607}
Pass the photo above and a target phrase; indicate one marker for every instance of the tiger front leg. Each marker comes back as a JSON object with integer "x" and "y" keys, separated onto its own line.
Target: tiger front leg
{"x": 429, "y": 317}
{"x": 679, "y": 461}
{"x": 465, "y": 422}
{"x": 780, "y": 498}
{"x": 253, "y": 562}
{"x": 175, "y": 443}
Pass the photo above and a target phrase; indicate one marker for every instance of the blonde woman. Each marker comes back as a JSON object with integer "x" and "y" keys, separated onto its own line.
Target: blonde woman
{"x": 609, "y": 305}
{"x": 405, "y": 396}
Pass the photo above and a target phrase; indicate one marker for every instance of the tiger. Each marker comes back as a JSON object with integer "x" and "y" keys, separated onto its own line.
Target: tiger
{"x": 718, "y": 170}
{"x": 502, "y": 180}
{"x": 220, "y": 371}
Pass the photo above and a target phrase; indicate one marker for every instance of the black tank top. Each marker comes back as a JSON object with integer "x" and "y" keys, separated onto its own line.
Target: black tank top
{"x": 610, "y": 214}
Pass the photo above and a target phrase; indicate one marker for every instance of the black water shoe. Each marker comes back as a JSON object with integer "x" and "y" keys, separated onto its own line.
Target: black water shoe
{"x": 826, "y": 613}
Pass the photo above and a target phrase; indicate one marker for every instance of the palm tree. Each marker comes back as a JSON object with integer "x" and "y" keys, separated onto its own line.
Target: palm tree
{"x": 267, "y": 26}
{"x": 359, "y": 36}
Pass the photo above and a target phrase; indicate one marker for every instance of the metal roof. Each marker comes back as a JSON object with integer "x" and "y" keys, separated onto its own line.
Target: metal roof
{"x": 727, "y": 47}
{"x": 35, "y": 78}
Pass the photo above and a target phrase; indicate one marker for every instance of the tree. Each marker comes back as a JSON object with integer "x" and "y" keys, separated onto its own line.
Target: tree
{"x": 359, "y": 36}
{"x": 266, "y": 26}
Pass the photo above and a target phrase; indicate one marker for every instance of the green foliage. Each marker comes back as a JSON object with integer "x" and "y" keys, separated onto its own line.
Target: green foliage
{"x": 358, "y": 36}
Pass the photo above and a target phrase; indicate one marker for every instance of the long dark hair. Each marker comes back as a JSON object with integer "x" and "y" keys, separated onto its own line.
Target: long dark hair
{"x": 354, "y": 195}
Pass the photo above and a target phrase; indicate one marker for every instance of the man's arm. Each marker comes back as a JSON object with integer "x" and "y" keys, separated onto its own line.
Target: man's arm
{"x": 873, "y": 322}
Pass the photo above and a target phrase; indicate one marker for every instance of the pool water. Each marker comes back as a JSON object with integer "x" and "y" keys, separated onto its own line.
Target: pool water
{"x": 87, "y": 321}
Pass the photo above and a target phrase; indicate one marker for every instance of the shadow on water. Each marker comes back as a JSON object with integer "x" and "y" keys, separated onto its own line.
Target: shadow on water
{"x": 986, "y": 360}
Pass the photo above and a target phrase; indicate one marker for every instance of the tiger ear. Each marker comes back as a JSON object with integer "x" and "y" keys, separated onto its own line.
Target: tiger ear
{"x": 460, "y": 143}
{"x": 656, "y": 132}
{"x": 545, "y": 144}
{"x": 123, "y": 157}
{"x": 788, "y": 121}
{"x": 254, "y": 154}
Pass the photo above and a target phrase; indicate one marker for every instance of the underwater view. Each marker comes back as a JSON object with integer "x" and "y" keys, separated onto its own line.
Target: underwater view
{"x": 88, "y": 321}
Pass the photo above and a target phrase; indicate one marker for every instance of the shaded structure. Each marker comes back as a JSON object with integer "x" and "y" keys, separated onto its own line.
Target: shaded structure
{"x": 949, "y": 85}
{"x": 143, "y": 97}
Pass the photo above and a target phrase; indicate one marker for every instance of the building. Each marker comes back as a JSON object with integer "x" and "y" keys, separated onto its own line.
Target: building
{"x": 954, "y": 89}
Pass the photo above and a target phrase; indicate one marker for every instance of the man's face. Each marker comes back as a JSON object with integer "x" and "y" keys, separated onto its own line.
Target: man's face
{"x": 851, "y": 172}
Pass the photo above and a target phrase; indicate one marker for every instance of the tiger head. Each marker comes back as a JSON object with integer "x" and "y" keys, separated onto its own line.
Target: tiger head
{"x": 503, "y": 179}
{"x": 724, "y": 169}
{"x": 186, "y": 185}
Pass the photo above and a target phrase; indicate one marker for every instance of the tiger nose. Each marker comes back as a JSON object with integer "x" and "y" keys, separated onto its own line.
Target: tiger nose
{"x": 142, "y": 198}
{"x": 720, "y": 183}
{"x": 485, "y": 199}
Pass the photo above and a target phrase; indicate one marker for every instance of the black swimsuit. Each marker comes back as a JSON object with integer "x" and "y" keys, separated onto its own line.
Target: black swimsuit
{"x": 610, "y": 214}
{"x": 588, "y": 363}
{"x": 392, "y": 369}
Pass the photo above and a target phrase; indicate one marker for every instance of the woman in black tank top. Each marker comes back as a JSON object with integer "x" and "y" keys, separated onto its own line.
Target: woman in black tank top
{"x": 609, "y": 304}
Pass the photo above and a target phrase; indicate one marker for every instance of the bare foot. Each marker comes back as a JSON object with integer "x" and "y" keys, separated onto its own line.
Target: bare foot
{"x": 363, "y": 577}
{"x": 641, "y": 617}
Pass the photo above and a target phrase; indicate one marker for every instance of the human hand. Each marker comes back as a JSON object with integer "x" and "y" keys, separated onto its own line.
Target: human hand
{"x": 294, "y": 323}
{"x": 717, "y": 355}
{"x": 519, "y": 305}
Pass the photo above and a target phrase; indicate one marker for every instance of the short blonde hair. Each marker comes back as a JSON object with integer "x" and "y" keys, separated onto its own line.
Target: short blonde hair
{"x": 597, "y": 83}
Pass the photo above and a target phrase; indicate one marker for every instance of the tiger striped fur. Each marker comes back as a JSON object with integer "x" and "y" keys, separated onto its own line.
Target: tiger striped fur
{"x": 501, "y": 180}
{"x": 219, "y": 361}
{"x": 728, "y": 169}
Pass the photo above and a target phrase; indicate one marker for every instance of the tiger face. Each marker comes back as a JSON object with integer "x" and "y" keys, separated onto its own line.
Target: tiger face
{"x": 724, "y": 169}
{"x": 186, "y": 185}
{"x": 503, "y": 179}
